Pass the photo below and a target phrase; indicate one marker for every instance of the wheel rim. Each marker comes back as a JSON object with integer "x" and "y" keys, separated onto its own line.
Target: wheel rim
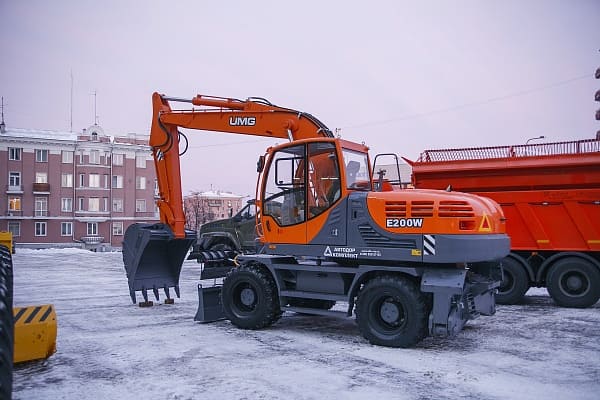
{"x": 574, "y": 283}
{"x": 387, "y": 315}
{"x": 245, "y": 298}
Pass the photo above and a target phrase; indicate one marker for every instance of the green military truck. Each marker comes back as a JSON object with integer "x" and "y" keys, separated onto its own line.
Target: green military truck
{"x": 220, "y": 241}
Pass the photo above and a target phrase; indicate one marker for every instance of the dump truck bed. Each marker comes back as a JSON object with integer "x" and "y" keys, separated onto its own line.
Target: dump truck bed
{"x": 550, "y": 192}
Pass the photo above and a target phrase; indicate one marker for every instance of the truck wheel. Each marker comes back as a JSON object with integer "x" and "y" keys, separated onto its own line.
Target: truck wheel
{"x": 574, "y": 282}
{"x": 312, "y": 303}
{"x": 6, "y": 324}
{"x": 515, "y": 282}
{"x": 249, "y": 297}
{"x": 391, "y": 311}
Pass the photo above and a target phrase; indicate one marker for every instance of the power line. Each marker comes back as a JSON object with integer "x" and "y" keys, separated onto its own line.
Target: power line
{"x": 467, "y": 105}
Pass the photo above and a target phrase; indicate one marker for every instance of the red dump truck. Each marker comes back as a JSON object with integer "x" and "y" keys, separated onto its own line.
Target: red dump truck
{"x": 550, "y": 194}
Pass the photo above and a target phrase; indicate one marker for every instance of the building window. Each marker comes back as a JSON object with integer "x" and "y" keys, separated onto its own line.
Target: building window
{"x": 94, "y": 204}
{"x": 117, "y": 228}
{"x": 117, "y": 182}
{"x": 41, "y": 177}
{"x": 117, "y": 159}
{"x": 14, "y": 153}
{"x": 215, "y": 203}
{"x": 95, "y": 136}
{"x": 80, "y": 202}
{"x": 117, "y": 205}
{"x": 92, "y": 228}
{"x": 41, "y": 156}
{"x": 105, "y": 204}
{"x": 66, "y": 180}
{"x": 81, "y": 180}
{"x": 106, "y": 181}
{"x": 14, "y": 180}
{"x": 40, "y": 229}
{"x": 140, "y": 182}
{"x": 140, "y": 205}
{"x": 94, "y": 157}
{"x": 66, "y": 204}
{"x": 14, "y": 228}
{"x": 94, "y": 180}
{"x": 66, "y": 229}
{"x": 14, "y": 203}
{"x": 80, "y": 156}
{"x": 41, "y": 207}
{"x": 140, "y": 161}
{"x": 67, "y": 157}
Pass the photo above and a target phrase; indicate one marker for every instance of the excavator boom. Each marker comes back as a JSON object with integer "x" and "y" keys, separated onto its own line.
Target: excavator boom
{"x": 153, "y": 253}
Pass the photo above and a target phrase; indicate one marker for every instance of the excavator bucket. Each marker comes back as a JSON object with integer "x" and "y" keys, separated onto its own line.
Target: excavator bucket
{"x": 153, "y": 258}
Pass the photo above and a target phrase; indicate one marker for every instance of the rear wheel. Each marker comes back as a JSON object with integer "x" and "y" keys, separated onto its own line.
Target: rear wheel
{"x": 515, "y": 282}
{"x": 574, "y": 282}
{"x": 391, "y": 311}
{"x": 249, "y": 297}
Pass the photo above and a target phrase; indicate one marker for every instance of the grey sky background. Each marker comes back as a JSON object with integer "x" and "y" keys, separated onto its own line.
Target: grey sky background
{"x": 402, "y": 76}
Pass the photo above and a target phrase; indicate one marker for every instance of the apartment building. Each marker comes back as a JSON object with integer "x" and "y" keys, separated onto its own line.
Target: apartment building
{"x": 74, "y": 189}
{"x": 203, "y": 207}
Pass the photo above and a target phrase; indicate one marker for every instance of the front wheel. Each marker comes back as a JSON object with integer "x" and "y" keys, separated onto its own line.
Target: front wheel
{"x": 574, "y": 282}
{"x": 391, "y": 311}
{"x": 249, "y": 298}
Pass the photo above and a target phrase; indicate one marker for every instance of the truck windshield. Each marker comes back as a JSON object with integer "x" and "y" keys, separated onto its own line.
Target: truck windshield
{"x": 357, "y": 170}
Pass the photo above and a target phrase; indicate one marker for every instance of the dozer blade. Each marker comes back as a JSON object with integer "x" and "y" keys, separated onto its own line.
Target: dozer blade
{"x": 153, "y": 258}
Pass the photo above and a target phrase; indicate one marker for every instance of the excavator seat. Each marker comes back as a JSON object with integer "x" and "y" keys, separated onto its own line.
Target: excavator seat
{"x": 153, "y": 258}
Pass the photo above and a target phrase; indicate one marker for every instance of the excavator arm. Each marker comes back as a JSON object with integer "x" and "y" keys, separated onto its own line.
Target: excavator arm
{"x": 255, "y": 117}
{"x": 154, "y": 253}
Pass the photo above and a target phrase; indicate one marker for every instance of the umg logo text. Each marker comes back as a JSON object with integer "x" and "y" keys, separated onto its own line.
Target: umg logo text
{"x": 242, "y": 121}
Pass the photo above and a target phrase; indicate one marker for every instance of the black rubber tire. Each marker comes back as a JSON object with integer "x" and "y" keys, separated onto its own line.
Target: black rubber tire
{"x": 405, "y": 308}
{"x": 312, "y": 303}
{"x": 574, "y": 282}
{"x": 6, "y": 324}
{"x": 515, "y": 283}
{"x": 249, "y": 297}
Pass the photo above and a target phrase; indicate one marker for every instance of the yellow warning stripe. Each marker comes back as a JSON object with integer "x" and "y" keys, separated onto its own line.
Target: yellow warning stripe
{"x": 543, "y": 241}
{"x": 33, "y": 314}
{"x": 593, "y": 241}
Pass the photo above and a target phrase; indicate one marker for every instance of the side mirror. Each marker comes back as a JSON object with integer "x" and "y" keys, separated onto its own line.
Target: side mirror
{"x": 237, "y": 218}
{"x": 260, "y": 164}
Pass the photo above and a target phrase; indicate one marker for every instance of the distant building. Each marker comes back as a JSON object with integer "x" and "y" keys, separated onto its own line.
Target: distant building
{"x": 203, "y": 207}
{"x": 65, "y": 189}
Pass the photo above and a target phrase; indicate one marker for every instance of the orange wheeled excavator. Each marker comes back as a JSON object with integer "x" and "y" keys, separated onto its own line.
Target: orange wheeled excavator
{"x": 408, "y": 263}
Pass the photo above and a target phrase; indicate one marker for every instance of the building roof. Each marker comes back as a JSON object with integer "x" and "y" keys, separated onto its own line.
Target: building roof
{"x": 20, "y": 133}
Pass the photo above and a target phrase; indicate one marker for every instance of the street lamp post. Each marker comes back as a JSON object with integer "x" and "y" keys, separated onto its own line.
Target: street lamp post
{"x": 535, "y": 138}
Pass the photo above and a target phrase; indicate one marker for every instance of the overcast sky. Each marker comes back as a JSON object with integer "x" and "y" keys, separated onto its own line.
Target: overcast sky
{"x": 402, "y": 76}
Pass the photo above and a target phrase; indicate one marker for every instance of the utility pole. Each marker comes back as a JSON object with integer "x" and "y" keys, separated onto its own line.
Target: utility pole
{"x": 71, "y": 107}
{"x": 95, "y": 107}
{"x": 2, "y": 124}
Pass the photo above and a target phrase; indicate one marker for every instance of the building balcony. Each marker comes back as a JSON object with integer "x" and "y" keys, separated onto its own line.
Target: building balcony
{"x": 14, "y": 213}
{"x": 41, "y": 188}
{"x": 14, "y": 189}
{"x": 90, "y": 239}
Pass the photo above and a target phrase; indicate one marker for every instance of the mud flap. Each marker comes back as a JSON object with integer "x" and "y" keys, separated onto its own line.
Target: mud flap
{"x": 210, "y": 308}
{"x": 153, "y": 258}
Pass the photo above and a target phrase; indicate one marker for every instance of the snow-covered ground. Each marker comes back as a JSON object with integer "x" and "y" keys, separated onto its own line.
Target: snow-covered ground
{"x": 109, "y": 348}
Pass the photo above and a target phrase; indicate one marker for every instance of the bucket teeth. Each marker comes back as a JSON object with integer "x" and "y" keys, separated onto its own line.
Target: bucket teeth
{"x": 145, "y": 295}
{"x": 177, "y": 291}
{"x": 155, "y": 291}
{"x": 167, "y": 293}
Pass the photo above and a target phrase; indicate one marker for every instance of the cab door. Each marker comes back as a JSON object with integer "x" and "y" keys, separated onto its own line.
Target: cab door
{"x": 283, "y": 202}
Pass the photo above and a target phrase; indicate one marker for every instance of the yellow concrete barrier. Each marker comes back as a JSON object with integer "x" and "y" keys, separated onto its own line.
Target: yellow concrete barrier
{"x": 35, "y": 332}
